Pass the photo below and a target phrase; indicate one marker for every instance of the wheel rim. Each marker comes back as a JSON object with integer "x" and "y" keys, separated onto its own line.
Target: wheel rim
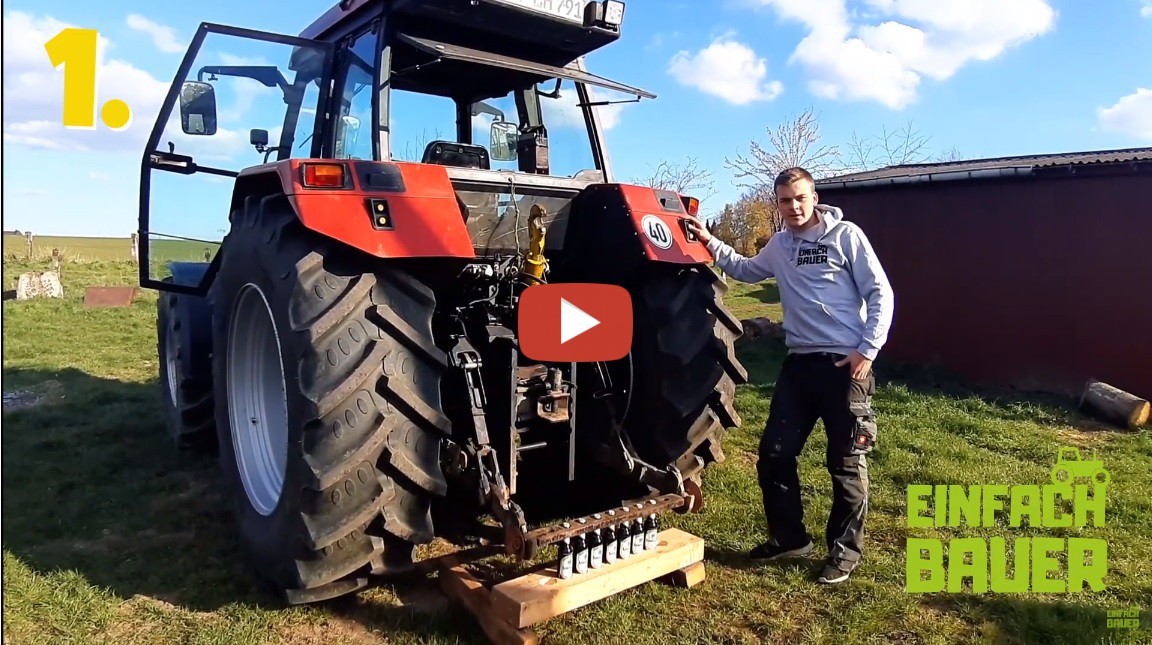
{"x": 257, "y": 404}
{"x": 172, "y": 365}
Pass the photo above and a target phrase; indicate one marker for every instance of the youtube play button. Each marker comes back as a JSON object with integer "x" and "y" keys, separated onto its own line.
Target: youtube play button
{"x": 575, "y": 322}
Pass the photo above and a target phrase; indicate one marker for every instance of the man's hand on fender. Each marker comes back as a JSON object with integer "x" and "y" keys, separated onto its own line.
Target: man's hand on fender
{"x": 698, "y": 228}
{"x": 861, "y": 366}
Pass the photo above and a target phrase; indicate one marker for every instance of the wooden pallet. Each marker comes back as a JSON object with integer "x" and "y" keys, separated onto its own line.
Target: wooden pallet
{"x": 507, "y": 608}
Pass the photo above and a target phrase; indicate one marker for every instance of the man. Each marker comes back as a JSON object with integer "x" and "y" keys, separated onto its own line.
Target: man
{"x": 837, "y": 312}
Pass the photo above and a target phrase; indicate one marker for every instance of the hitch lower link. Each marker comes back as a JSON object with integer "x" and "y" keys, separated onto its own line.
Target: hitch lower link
{"x": 492, "y": 485}
{"x": 523, "y": 543}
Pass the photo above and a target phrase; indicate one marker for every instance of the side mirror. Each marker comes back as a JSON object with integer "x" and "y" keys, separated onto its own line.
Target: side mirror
{"x": 258, "y": 138}
{"x": 198, "y": 108}
{"x": 504, "y": 141}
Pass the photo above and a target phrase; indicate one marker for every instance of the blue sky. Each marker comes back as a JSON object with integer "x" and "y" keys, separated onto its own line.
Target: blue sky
{"x": 982, "y": 77}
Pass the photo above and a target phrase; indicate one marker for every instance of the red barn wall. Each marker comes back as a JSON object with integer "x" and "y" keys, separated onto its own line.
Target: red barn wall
{"x": 1037, "y": 282}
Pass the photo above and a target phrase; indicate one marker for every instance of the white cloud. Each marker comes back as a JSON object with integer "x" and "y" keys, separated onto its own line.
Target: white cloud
{"x": 882, "y": 49}
{"x": 1146, "y": 10}
{"x": 1131, "y": 115}
{"x": 34, "y": 96}
{"x": 565, "y": 113}
{"x": 728, "y": 69}
{"x": 34, "y": 92}
{"x": 163, "y": 37}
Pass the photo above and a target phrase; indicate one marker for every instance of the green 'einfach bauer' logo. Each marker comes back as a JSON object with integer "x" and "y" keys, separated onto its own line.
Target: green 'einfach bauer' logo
{"x": 985, "y": 561}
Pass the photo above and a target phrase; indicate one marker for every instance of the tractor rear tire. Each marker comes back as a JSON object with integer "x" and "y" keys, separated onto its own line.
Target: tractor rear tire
{"x": 185, "y": 373}
{"x": 329, "y": 416}
{"x": 685, "y": 369}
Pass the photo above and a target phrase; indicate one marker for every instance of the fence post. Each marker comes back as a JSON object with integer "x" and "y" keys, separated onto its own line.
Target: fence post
{"x": 28, "y": 236}
{"x": 136, "y": 248}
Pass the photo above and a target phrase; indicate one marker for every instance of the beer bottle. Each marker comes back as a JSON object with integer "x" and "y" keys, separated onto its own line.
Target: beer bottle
{"x": 580, "y": 551}
{"x": 623, "y": 541}
{"x": 608, "y": 537}
{"x": 651, "y": 532}
{"x": 637, "y": 536}
{"x": 564, "y": 560}
{"x": 595, "y": 546}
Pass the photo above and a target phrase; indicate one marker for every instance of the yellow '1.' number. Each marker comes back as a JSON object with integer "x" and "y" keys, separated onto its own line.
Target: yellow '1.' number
{"x": 75, "y": 49}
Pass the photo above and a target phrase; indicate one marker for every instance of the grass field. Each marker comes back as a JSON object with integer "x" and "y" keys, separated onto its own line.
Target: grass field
{"x": 111, "y": 536}
{"x": 112, "y": 249}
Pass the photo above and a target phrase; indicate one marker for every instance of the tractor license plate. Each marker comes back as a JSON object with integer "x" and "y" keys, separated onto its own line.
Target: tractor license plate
{"x": 572, "y": 10}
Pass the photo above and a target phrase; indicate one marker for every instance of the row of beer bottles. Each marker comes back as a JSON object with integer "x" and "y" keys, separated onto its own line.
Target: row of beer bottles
{"x": 595, "y": 549}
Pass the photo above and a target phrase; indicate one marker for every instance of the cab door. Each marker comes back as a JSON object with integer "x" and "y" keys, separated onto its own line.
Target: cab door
{"x": 240, "y": 98}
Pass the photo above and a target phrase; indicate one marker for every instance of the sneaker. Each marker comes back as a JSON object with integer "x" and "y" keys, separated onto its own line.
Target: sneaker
{"x": 770, "y": 550}
{"x": 835, "y": 570}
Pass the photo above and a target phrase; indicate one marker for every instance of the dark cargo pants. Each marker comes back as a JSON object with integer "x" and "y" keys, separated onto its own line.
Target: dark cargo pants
{"x": 811, "y": 387}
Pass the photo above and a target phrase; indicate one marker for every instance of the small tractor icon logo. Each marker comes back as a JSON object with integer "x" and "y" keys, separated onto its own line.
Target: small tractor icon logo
{"x": 1070, "y": 467}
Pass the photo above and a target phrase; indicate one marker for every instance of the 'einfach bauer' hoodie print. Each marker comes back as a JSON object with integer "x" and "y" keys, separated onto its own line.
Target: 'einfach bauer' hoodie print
{"x": 836, "y": 295}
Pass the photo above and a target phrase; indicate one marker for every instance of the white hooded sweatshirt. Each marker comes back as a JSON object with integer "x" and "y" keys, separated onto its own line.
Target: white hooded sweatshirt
{"x": 835, "y": 294}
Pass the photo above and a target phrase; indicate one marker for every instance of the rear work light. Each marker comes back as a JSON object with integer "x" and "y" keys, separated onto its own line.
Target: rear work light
{"x": 614, "y": 13}
{"x": 609, "y": 13}
{"x": 323, "y": 175}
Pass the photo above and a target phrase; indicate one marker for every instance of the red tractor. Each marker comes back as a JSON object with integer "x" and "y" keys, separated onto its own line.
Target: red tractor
{"x": 350, "y": 348}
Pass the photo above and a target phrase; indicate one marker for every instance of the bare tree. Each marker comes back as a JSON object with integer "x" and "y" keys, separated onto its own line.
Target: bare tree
{"x": 792, "y": 143}
{"x": 951, "y": 154}
{"x": 687, "y": 179}
{"x": 414, "y": 150}
{"x": 889, "y": 148}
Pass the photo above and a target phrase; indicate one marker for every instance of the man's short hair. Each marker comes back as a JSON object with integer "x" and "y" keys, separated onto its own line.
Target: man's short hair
{"x": 789, "y": 176}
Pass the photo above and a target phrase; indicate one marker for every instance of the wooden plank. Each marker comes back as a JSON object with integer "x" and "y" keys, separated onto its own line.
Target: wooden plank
{"x": 689, "y": 576}
{"x": 536, "y": 597}
{"x": 457, "y": 583}
{"x": 109, "y": 296}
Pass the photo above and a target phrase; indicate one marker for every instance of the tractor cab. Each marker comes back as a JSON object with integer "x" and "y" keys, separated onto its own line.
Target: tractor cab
{"x": 496, "y": 91}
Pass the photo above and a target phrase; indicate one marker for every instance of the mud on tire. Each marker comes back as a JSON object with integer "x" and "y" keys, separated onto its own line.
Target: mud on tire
{"x": 359, "y": 464}
{"x": 685, "y": 368}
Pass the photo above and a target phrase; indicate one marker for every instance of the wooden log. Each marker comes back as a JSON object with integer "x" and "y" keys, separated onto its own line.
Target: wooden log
{"x": 758, "y": 328}
{"x": 1114, "y": 405}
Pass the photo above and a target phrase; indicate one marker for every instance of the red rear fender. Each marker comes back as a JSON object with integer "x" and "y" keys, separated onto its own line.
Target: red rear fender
{"x": 389, "y": 210}
{"x": 658, "y": 218}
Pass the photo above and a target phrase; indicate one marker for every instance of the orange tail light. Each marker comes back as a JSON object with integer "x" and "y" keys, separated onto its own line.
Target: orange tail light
{"x": 323, "y": 175}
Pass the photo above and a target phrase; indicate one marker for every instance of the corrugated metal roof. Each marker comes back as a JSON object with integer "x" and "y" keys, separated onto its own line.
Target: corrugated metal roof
{"x": 1001, "y": 166}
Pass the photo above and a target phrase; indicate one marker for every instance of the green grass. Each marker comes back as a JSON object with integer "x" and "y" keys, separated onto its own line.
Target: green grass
{"x": 109, "y": 535}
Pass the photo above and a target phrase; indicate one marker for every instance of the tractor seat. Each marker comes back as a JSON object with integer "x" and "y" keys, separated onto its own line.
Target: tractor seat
{"x": 463, "y": 155}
